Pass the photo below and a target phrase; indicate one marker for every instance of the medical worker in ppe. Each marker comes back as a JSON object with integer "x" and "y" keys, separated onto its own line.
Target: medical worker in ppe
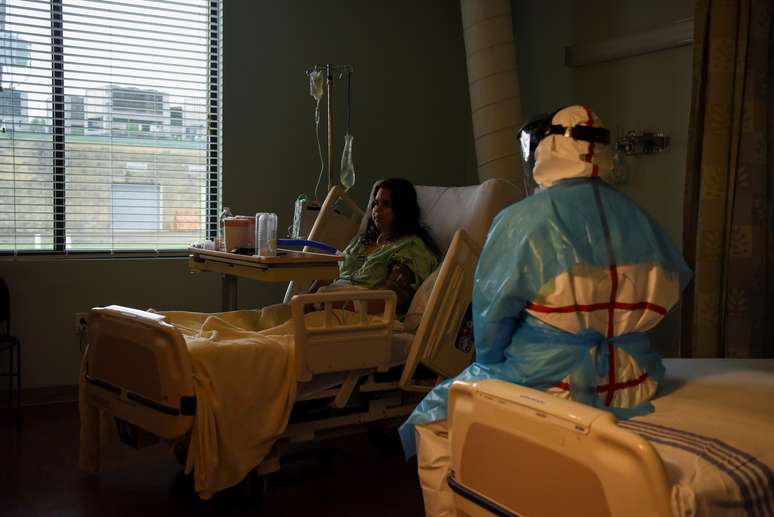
{"x": 569, "y": 281}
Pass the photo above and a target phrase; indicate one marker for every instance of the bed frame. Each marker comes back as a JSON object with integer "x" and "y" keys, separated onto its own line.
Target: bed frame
{"x": 138, "y": 369}
{"x": 516, "y": 450}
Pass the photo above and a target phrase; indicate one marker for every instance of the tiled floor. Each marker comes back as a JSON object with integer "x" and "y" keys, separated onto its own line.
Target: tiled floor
{"x": 39, "y": 477}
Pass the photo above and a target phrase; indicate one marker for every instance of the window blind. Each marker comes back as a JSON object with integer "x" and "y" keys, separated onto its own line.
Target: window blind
{"x": 109, "y": 124}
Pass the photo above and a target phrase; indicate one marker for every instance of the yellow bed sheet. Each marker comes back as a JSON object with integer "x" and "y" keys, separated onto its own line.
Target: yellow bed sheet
{"x": 245, "y": 386}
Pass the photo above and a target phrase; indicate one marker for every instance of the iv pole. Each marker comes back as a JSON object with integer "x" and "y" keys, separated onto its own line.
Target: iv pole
{"x": 329, "y": 82}
{"x": 330, "y": 70}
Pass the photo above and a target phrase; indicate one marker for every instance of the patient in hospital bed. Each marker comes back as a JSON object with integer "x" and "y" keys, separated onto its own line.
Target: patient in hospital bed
{"x": 392, "y": 250}
{"x": 568, "y": 284}
{"x": 243, "y": 361}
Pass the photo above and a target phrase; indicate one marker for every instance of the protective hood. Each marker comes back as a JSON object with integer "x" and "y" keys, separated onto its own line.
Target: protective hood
{"x": 560, "y": 156}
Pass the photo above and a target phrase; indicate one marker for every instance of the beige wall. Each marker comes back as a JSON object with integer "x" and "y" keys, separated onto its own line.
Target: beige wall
{"x": 411, "y": 117}
{"x": 646, "y": 92}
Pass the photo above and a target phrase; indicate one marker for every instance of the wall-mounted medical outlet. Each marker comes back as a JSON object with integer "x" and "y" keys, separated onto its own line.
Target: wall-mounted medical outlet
{"x": 642, "y": 142}
{"x": 81, "y": 321}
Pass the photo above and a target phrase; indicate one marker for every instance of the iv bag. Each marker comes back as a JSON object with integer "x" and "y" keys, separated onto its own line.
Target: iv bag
{"x": 347, "y": 167}
{"x": 619, "y": 173}
{"x": 316, "y": 84}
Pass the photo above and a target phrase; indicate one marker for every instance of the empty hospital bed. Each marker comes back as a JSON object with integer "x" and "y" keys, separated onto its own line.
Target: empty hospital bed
{"x": 708, "y": 449}
{"x": 138, "y": 369}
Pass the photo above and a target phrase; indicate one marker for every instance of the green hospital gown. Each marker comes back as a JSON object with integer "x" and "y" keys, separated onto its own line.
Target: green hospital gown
{"x": 378, "y": 268}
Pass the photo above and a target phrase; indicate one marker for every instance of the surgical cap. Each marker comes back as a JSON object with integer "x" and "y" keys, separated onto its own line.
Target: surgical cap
{"x": 560, "y": 156}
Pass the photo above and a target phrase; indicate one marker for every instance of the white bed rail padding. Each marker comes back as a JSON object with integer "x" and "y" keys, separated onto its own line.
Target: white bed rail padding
{"x": 139, "y": 370}
{"x": 435, "y": 343}
{"x": 520, "y": 450}
{"x": 334, "y": 347}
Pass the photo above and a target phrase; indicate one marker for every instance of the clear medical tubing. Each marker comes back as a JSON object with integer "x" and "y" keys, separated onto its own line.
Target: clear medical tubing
{"x": 316, "y": 90}
{"x": 578, "y": 221}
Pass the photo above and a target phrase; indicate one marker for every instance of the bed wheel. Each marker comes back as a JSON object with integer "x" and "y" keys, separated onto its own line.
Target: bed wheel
{"x": 180, "y": 449}
{"x": 386, "y": 441}
{"x": 254, "y": 487}
{"x": 248, "y": 494}
{"x": 183, "y": 486}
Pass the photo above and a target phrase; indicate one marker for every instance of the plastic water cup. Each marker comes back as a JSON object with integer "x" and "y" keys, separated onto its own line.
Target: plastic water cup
{"x": 266, "y": 234}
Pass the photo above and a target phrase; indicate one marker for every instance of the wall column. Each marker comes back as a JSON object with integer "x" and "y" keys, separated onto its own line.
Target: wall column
{"x": 495, "y": 100}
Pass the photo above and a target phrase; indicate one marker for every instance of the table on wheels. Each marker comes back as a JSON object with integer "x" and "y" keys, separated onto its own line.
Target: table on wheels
{"x": 287, "y": 265}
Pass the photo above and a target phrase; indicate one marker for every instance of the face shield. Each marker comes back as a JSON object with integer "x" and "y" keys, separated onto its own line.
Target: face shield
{"x": 579, "y": 136}
{"x": 529, "y": 137}
{"x": 569, "y": 143}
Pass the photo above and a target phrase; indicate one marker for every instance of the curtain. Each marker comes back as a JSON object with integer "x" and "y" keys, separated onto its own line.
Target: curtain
{"x": 729, "y": 196}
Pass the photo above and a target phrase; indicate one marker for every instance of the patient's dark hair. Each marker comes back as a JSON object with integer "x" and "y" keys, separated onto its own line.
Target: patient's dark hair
{"x": 406, "y": 209}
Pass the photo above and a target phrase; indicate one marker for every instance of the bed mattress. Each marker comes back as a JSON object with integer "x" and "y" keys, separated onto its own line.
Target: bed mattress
{"x": 714, "y": 429}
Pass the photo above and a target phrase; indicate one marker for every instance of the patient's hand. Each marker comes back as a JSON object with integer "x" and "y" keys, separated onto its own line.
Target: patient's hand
{"x": 372, "y": 306}
{"x": 317, "y": 284}
{"x": 347, "y": 306}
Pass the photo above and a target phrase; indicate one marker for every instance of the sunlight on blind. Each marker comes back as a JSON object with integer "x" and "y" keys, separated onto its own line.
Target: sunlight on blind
{"x": 110, "y": 115}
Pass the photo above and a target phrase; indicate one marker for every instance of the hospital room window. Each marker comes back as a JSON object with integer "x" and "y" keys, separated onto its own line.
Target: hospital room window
{"x": 110, "y": 116}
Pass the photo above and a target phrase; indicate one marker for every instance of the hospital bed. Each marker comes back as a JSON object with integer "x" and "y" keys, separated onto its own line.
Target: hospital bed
{"x": 708, "y": 449}
{"x": 138, "y": 368}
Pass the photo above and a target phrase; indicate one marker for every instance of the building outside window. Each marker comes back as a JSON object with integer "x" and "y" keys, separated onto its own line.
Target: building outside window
{"x": 111, "y": 113}
{"x": 136, "y": 207}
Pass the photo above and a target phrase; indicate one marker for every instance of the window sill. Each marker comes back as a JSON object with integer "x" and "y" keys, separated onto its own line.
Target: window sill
{"x": 92, "y": 255}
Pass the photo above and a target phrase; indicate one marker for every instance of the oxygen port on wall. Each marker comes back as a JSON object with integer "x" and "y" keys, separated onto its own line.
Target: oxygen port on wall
{"x": 642, "y": 142}
{"x": 633, "y": 144}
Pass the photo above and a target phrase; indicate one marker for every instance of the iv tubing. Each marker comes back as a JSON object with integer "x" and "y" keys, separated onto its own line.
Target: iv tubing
{"x": 319, "y": 152}
{"x": 329, "y": 74}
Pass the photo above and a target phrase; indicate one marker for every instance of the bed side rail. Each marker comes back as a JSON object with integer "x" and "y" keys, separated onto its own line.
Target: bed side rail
{"x": 139, "y": 370}
{"x": 512, "y": 446}
{"x": 333, "y": 347}
{"x": 435, "y": 343}
{"x": 338, "y": 220}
